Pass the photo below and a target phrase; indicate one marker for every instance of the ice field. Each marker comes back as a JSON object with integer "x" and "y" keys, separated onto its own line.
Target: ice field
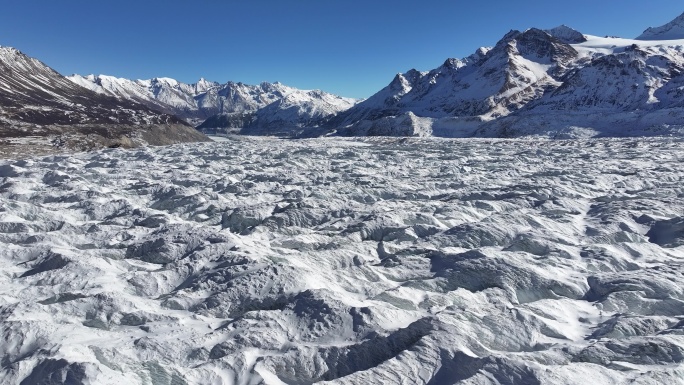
{"x": 393, "y": 261}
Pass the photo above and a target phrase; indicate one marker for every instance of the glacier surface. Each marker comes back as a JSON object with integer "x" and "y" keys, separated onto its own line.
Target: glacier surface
{"x": 378, "y": 260}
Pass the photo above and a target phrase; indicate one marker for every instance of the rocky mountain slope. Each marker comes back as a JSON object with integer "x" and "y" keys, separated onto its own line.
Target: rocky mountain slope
{"x": 36, "y": 101}
{"x": 213, "y": 107}
{"x": 557, "y": 83}
{"x": 635, "y": 89}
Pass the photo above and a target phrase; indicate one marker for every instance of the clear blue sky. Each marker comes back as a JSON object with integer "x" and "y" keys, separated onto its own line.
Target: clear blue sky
{"x": 348, "y": 47}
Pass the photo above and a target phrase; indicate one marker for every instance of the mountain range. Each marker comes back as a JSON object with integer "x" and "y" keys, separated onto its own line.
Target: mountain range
{"x": 553, "y": 83}
{"x": 221, "y": 108}
{"x": 38, "y": 102}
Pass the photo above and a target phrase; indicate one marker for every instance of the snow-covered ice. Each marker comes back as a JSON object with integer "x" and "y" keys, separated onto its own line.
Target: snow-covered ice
{"x": 395, "y": 261}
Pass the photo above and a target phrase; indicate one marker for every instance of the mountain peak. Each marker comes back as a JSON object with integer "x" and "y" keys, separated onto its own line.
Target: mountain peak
{"x": 566, "y": 34}
{"x": 9, "y": 52}
{"x": 673, "y": 30}
{"x": 203, "y": 85}
{"x": 452, "y": 63}
{"x": 165, "y": 80}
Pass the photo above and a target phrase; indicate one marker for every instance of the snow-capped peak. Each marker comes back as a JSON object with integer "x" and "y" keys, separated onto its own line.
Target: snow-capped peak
{"x": 477, "y": 56}
{"x": 671, "y": 31}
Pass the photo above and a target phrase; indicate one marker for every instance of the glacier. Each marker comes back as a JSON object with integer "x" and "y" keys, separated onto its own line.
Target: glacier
{"x": 347, "y": 261}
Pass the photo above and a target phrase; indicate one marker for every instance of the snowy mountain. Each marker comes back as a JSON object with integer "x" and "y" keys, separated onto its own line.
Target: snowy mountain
{"x": 635, "y": 89}
{"x": 224, "y": 107}
{"x": 673, "y": 30}
{"x": 294, "y": 113}
{"x": 34, "y": 93}
{"x": 491, "y": 83}
{"x": 35, "y": 99}
{"x": 557, "y": 83}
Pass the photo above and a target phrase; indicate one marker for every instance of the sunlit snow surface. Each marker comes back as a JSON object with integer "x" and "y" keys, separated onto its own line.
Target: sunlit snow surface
{"x": 385, "y": 261}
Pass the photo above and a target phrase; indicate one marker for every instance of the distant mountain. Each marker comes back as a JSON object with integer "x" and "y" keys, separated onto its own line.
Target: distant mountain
{"x": 266, "y": 108}
{"x": 294, "y": 112}
{"x": 554, "y": 83}
{"x": 673, "y": 30}
{"x": 37, "y": 101}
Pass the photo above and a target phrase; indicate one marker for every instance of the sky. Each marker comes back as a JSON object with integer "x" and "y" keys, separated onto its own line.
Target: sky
{"x": 348, "y": 47}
